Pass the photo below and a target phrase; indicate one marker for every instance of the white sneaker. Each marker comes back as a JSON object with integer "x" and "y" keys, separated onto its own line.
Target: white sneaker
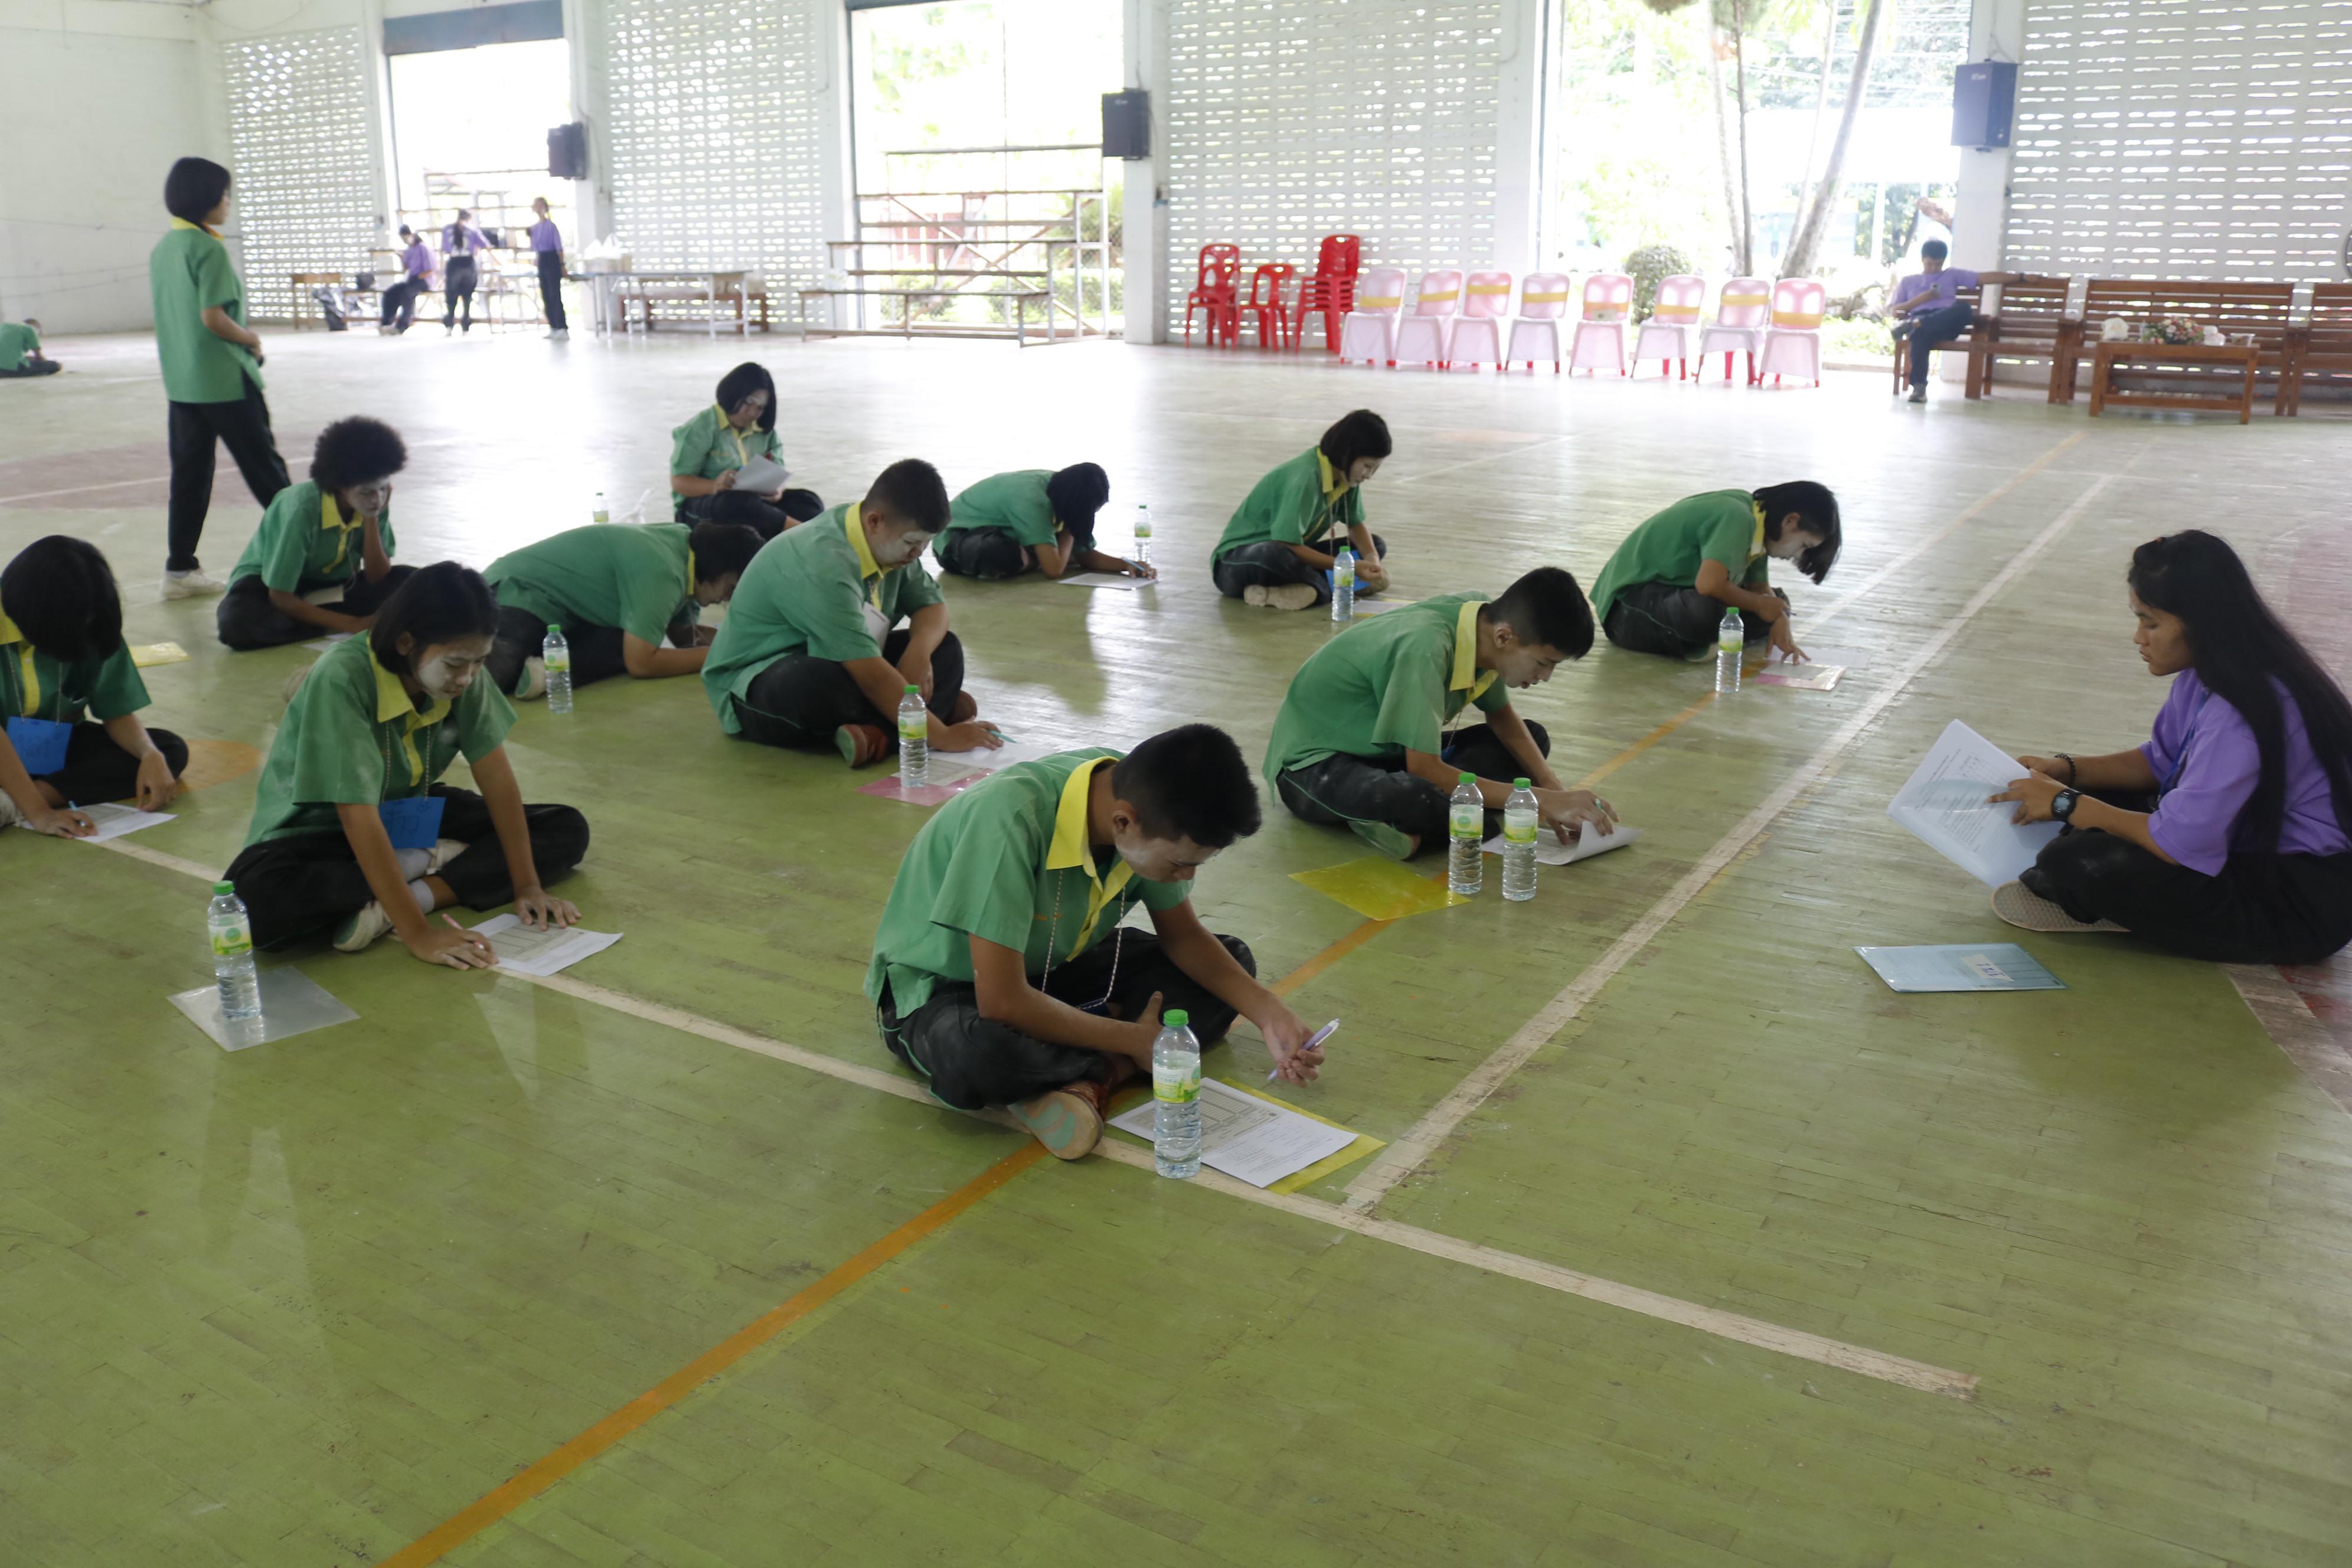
{"x": 559, "y": 334}
{"x": 192, "y": 584}
{"x": 10, "y": 813}
{"x": 361, "y": 930}
{"x": 533, "y": 684}
{"x": 1919, "y": 394}
{"x": 1284, "y": 597}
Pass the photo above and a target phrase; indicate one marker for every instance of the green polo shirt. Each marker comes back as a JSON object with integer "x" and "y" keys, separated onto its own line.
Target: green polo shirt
{"x": 305, "y": 543}
{"x": 18, "y": 342}
{"x": 1295, "y": 504}
{"x": 1720, "y": 525}
{"x": 1386, "y": 686}
{"x": 638, "y": 578}
{"x": 807, "y": 592}
{"x": 1015, "y": 501}
{"x": 1006, "y": 862}
{"x": 37, "y": 685}
{"x": 707, "y": 446}
{"x": 354, "y": 736}
{"x": 187, "y": 273}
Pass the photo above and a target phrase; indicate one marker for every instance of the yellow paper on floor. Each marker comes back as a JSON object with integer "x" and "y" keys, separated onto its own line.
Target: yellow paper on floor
{"x": 146, "y": 656}
{"x": 1379, "y": 890}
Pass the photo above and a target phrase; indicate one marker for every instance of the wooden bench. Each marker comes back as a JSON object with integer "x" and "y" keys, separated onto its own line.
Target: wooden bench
{"x": 2019, "y": 316}
{"x": 719, "y": 298}
{"x": 2262, "y": 311}
{"x": 1974, "y": 299}
{"x": 2321, "y": 349}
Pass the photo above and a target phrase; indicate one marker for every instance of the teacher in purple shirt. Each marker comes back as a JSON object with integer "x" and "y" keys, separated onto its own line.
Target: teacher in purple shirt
{"x": 546, "y": 245}
{"x": 416, "y": 278}
{"x": 2229, "y": 835}
{"x": 1928, "y": 308}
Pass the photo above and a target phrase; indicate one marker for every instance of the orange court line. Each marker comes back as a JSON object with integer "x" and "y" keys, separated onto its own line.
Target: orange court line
{"x": 462, "y": 1527}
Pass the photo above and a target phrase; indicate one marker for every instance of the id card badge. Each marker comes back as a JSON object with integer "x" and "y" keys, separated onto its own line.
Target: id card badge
{"x": 414, "y": 823}
{"x": 40, "y": 744}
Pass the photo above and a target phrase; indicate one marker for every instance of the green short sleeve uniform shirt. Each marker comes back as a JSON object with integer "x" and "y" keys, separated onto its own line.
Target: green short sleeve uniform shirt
{"x": 187, "y": 274}
{"x": 1006, "y": 862}
{"x": 815, "y": 589}
{"x": 306, "y": 543}
{"x": 1386, "y": 686}
{"x": 1720, "y": 525}
{"x": 1015, "y": 501}
{"x": 1295, "y": 504}
{"x": 37, "y": 685}
{"x": 354, "y": 736}
{"x": 18, "y": 342}
{"x": 707, "y": 446}
{"x": 639, "y": 578}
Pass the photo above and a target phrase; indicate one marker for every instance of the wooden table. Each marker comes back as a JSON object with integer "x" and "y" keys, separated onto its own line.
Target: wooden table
{"x": 2193, "y": 359}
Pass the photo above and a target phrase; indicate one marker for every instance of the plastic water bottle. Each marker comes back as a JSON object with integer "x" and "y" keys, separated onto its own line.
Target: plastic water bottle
{"x": 1728, "y": 639}
{"x": 914, "y": 740}
{"x": 232, "y": 935}
{"x": 1466, "y": 833}
{"x": 556, "y": 655}
{"x": 1176, "y": 1098}
{"x": 1142, "y": 535}
{"x": 1343, "y": 585}
{"x": 1520, "y": 818}
{"x": 600, "y": 512}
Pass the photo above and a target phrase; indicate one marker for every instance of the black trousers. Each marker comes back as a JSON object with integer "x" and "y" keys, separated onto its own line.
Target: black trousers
{"x": 972, "y": 1062}
{"x": 1931, "y": 327}
{"x": 300, "y": 886}
{"x": 1268, "y": 565}
{"x": 770, "y": 517}
{"x": 1664, "y": 617}
{"x": 400, "y": 303}
{"x": 992, "y": 554}
{"x": 97, "y": 769}
{"x": 2261, "y": 909}
{"x": 800, "y": 700}
{"x": 245, "y": 618}
{"x": 244, "y": 426}
{"x": 1343, "y": 789}
{"x": 550, "y": 288}
{"x": 458, "y": 276}
{"x": 38, "y": 367}
{"x": 596, "y": 650}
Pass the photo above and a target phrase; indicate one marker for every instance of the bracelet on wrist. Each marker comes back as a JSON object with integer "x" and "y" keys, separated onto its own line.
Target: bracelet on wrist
{"x": 2073, "y": 769}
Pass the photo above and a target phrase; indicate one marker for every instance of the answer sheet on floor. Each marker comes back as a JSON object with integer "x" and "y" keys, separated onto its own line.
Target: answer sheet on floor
{"x": 523, "y": 951}
{"x": 1550, "y": 851}
{"x": 1249, "y": 1139}
{"x": 115, "y": 821}
{"x": 1104, "y": 580}
{"x": 1946, "y": 803}
{"x": 981, "y": 758}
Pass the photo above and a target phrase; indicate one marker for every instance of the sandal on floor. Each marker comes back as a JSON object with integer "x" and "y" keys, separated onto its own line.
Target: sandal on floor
{"x": 2024, "y": 907}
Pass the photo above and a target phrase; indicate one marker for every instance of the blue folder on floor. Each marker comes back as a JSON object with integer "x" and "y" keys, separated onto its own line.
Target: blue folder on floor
{"x": 1961, "y": 966}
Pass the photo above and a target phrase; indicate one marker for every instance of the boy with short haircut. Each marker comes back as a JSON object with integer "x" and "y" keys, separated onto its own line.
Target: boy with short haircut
{"x": 1361, "y": 739}
{"x": 617, "y": 590}
{"x": 20, "y": 350}
{"x": 808, "y": 656}
{"x": 1039, "y": 519}
{"x": 1000, "y": 972}
{"x": 1667, "y": 585}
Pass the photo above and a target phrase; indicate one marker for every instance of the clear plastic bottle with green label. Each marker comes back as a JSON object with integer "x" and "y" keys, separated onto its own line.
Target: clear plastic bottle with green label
{"x": 1465, "y": 831}
{"x": 1521, "y": 821}
{"x": 231, "y": 930}
{"x": 1176, "y": 1098}
{"x": 914, "y": 740}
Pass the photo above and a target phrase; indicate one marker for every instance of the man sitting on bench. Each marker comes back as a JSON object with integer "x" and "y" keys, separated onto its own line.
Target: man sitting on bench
{"x": 1929, "y": 309}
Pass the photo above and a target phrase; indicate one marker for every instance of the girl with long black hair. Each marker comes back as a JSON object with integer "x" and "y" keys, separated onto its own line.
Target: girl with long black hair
{"x": 708, "y": 450}
{"x": 2229, "y": 835}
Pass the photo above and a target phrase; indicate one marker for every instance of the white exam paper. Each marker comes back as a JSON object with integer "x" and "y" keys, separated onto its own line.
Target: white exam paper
{"x": 1944, "y": 804}
{"x": 1104, "y": 580}
{"x": 540, "y": 952}
{"x": 1249, "y": 1139}
{"x": 115, "y": 821}
{"x": 761, "y": 476}
{"x": 983, "y": 760}
{"x": 1591, "y": 841}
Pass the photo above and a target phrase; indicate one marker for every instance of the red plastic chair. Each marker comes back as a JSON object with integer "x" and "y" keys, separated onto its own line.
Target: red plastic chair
{"x": 1265, "y": 302}
{"x": 1217, "y": 292}
{"x": 1332, "y": 290}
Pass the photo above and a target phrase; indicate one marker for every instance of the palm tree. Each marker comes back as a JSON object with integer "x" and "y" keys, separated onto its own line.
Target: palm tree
{"x": 1809, "y": 222}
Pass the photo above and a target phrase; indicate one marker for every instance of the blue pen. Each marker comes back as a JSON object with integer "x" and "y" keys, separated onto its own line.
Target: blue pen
{"x": 1321, "y": 1034}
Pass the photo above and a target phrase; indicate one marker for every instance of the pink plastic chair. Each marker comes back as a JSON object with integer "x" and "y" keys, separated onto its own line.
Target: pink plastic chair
{"x": 1666, "y": 334}
{"x": 1485, "y": 302}
{"x": 1535, "y": 332}
{"x": 1425, "y": 334}
{"x": 1369, "y": 330}
{"x": 1601, "y": 331}
{"x": 1741, "y": 311}
{"x": 1792, "y": 344}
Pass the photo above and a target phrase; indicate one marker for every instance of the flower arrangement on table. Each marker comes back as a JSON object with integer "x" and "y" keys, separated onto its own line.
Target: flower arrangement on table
{"x": 2173, "y": 330}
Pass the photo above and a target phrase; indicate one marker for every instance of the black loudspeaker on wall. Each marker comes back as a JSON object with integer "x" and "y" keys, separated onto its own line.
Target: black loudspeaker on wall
{"x": 1127, "y": 124}
{"x": 567, "y": 152}
{"x": 1984, "y": 101}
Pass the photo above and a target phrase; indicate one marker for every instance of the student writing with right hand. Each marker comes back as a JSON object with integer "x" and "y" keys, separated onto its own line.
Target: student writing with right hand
{"x": 1669, "y": 584}
{"x": 619, "y": 591}
{"x": 1279, "y": 545}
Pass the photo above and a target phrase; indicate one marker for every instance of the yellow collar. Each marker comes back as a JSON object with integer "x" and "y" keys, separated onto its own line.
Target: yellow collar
{"x": 1467, "y": 676}
{"x": 330, "y": 520}
{"x": 726, "y": 427}
{"x": 1333, "y": 485}
{"x": 200, "y": 228}
{"x": 853, "y": 526}
{"x": 1068, "y": 850}
{"x": 8, "y": 632}
{"x": 1757, "y": 547}
{"x": 28, "y": 674}
{"x": 391, "y": 699}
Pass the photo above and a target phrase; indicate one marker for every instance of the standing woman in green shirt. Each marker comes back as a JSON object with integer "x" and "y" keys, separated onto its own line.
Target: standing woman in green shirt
{"x": 212, "y": 368}
{"x": 354, "y": 833}
{"x": 1277, "y": 550}
{"x": 710, "y": 449}
{"x": 332, "y": 532}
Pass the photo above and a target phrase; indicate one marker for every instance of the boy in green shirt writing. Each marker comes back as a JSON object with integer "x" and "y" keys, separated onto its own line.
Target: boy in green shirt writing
{"x": 1279, "y": 547}
{"x": 1001, "y": 971}
{"x": 1009, "y": 523}
{"x": 1666, "y": 587}
{"x": 617, "y": 590}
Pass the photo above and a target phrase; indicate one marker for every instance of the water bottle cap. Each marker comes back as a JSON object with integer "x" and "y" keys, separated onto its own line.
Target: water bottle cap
{"x": 556, "y": 630}
{"x": 1468, "y": 778}
{"x": 914, "y": 692}
{"x": 1175, "y": 1018}
{"x": 224, "y": 889}
{"x": 1518, "y": 783}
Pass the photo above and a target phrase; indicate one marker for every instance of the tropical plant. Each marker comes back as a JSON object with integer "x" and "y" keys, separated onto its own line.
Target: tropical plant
{"x": 1648, "y": 266}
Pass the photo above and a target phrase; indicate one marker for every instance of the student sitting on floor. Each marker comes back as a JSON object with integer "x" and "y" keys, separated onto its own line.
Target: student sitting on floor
{"x": 1361, "y": 739}
{"x": 61, "y": 657}
{"x": 1276, "y": 550}
{"x": 1666, "y": 587}
{"x": 707, "y": 451}
{"x": 808, "y": 656}
{"x": 333, "y": 531}
{"x": 358, "y": 758}
{"x": 616, "y": 589}
{"x": 20, "y": 350}
{"x": 2229, "y": 835}
{"x": 1009, "y": 523}
{"x": 1001, "y": 971}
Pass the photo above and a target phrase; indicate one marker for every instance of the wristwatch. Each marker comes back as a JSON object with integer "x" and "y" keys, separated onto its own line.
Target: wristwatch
{"x": 2062, "y": 803}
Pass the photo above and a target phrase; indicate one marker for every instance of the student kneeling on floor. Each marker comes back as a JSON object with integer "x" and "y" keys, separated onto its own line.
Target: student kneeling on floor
{"x": 1001, "y": 971}
{"x": 808, "y": 656}
{"x": 617, "y": 590}
{"x": 1667, "y": 585}
{"x": 352, "y": 832}
{"x": 332, "y": 532}
{"x": 62, "y": 658}
{"x": 1278, "y": 548}
{"x": 1361, "y": 739}
{"x": 1030, "y": 517}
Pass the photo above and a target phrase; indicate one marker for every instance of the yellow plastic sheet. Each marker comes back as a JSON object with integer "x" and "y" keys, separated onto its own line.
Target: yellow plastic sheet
{"x": 1379, "y": 890}
{"x": 147, "y": 656}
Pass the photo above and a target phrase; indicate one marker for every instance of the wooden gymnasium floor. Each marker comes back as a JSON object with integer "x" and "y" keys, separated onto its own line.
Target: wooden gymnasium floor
{"x": 1689, "y": 1243}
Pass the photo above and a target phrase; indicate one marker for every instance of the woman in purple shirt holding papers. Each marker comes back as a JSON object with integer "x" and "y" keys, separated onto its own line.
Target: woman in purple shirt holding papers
{"x": 546, "y": 245}
{"x": 2229, "y": 835}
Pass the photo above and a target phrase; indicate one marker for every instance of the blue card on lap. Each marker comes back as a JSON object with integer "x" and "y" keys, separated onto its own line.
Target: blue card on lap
{"x": 414, "y": 823}
{"x": 40, "y": 744}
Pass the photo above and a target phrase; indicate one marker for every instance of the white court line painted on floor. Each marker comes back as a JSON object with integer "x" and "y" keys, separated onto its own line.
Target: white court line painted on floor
{"x": 84, "y": 489}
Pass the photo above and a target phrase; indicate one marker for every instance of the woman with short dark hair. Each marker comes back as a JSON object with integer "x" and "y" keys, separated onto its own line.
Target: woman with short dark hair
{"x": 1279, "y": 547}
{"x": 708, "y": 450}
{"x": 1669, "y": 583}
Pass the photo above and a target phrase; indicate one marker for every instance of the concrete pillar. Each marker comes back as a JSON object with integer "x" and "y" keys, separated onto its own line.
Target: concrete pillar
{"x": 1144, "y": 229}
